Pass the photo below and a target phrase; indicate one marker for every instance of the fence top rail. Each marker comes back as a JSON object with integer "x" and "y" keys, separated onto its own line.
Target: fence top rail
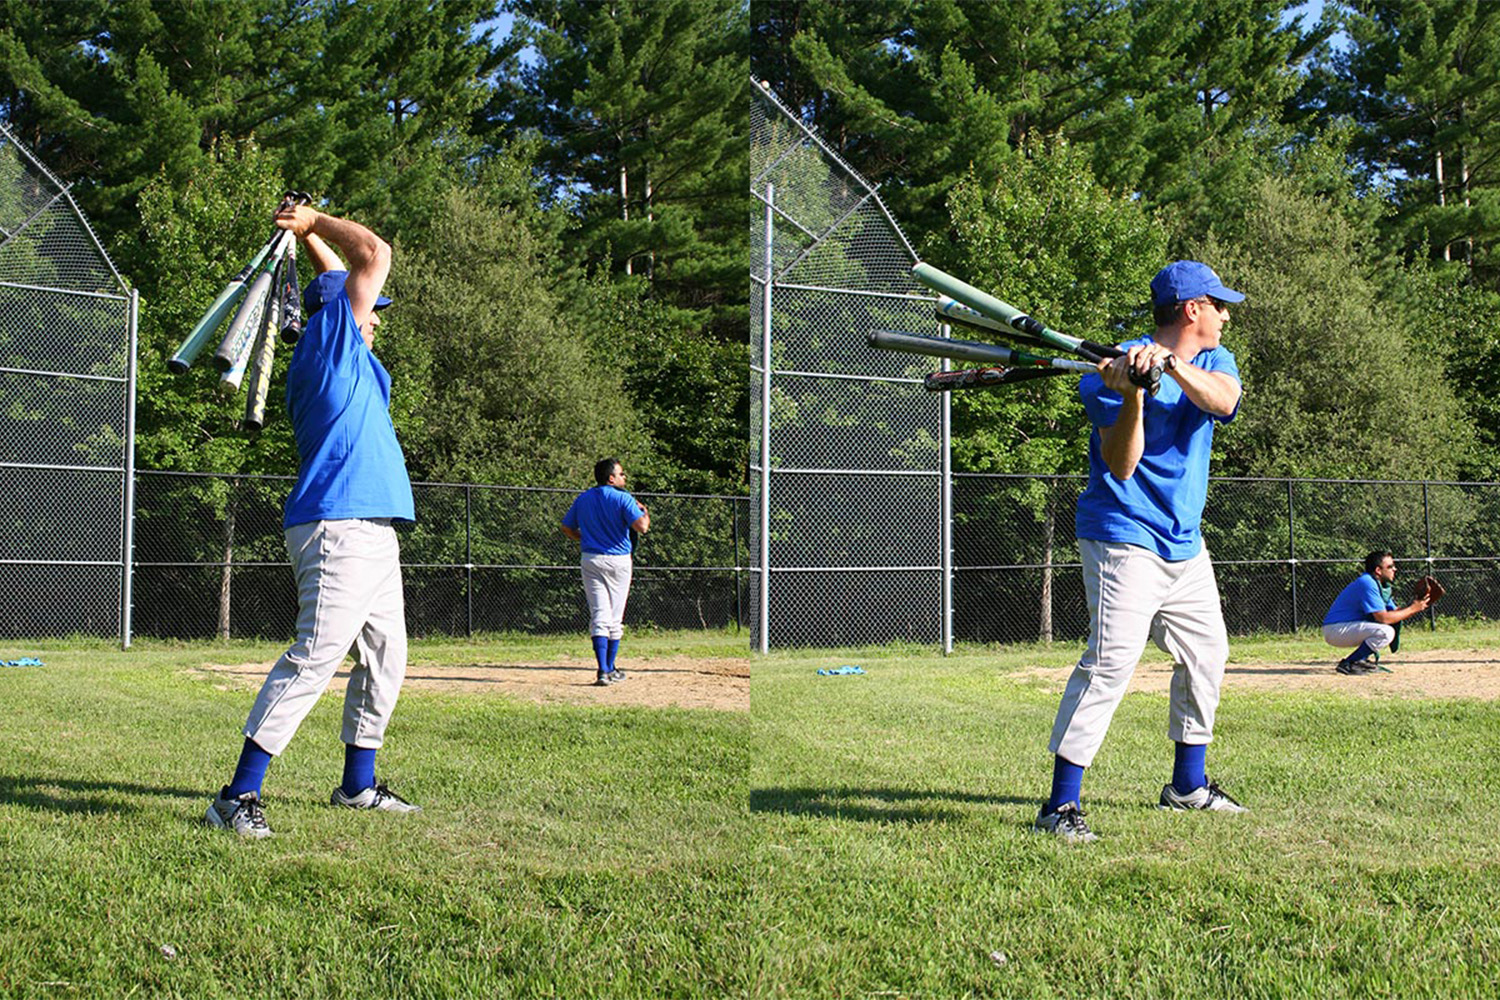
{"x": 270, "y": 477}
{"x": 1242, "y": 479}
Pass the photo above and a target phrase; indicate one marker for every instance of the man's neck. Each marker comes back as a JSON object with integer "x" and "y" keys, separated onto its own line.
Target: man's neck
{"x": 1181, "y": 341}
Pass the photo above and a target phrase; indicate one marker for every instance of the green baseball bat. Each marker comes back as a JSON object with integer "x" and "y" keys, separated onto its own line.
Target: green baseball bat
{"x": 203, "y": 331}
{"x": 1014, "y": 319}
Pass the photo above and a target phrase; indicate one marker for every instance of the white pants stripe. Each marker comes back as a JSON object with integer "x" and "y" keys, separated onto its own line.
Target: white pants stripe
{"x": 349, "y": 595}
{"x": 1134, "y": 595}
{"x": 606, "y": 586}
{"x": 1348, "y": 635}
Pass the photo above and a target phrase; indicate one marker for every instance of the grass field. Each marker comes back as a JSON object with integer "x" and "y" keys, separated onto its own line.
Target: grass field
{"x": 595, "y": 850}
{"x": 564, "y": 851}
{"x": 897, "y": 859}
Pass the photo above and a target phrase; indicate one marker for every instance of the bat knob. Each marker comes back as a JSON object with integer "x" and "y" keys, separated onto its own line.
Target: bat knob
{"x": 1150, "y": 381}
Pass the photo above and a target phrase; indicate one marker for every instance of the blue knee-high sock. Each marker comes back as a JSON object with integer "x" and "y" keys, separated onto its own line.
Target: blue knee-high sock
{"x": 359, "y": 769}
{"x": 1188, "y": 771}
{"x": 601, "y": 651}
{"x": 250, "y": 771}
{"x": 1067, "y": 783}
{"x": 614, "y": 647}
{"x": 1361, "y": 653}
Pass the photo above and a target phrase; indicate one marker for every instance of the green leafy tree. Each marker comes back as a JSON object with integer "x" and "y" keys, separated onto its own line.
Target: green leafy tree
{"x": 490, "y": 383}
{"x": 1334, "y": 384}
{"x": 644, "y": 106}
{"x": 364, "y": 104}
{"x": 1419, "y": 81}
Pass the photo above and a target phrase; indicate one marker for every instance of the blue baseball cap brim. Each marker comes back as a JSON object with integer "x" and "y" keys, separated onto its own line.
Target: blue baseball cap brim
{"x": 1184, "y": 280}
{"x": 326, "y": 287}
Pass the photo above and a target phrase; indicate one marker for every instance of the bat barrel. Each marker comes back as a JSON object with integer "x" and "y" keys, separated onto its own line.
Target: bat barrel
{"x": 939, "y": 347}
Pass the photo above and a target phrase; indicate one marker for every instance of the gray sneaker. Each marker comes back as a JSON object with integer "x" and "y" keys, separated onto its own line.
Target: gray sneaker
{"x": 1210, "y": 797}
{"x": 242, "y": 814}
{"x": 379, "y": 797}
{"x": 1066, "y": 821}
{"x": 607, "y": 678}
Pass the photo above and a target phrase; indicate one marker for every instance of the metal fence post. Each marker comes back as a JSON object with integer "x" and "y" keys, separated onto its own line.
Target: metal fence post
{"x": 734, "y": 531}
{"x": 469, "y": 560}
{"x": 764, "y": 609}
{"x": 1427, "y": 528}
{"x": 127, "y": 536}
{"x": 1291, "y": 548}
{"x": 945, "y": 505}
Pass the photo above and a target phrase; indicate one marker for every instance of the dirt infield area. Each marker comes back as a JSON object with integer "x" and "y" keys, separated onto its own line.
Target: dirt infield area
{"x": 681, "y": 681}
{"x": 1433, "y": 673}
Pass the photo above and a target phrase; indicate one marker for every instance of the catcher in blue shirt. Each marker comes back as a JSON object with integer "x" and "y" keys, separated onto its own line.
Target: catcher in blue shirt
{"x": 601, "y": 520}
{"x": 1365, "y": 617}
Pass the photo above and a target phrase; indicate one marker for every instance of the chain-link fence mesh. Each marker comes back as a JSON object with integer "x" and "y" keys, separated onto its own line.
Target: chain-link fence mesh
{"x": 846, "y": 446}
{"x": 66, "y": 342}
{"x": 1282, "y": 550}
{"x": 211, "y": 561}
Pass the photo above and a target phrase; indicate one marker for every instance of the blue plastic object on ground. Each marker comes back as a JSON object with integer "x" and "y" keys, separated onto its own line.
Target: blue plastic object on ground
{"x": 25, "y": 661}
{"x": 847, "y": 668}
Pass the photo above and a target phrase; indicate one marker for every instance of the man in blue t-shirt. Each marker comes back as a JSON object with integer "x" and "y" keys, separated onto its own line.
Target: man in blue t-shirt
{"x": 351, "y": 487}
{"x": 1365, "y": 618}
{"x": 601, "y": 520}
{"x": 1146, "y": 573}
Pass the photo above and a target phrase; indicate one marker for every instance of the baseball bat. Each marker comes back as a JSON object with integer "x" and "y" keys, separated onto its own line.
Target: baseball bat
{"x": 985, "y": 378}
{"x": 209, "y": 322}
{"x": 260, "y": 374}
{"x": 1015, "y": 319}
{"x": 260, "y": 318}
{"x": 951, "y": 311}
{"x": 241, "y": 335}
{"x": 969, "y": 350}
{"x": 291, "y": 301}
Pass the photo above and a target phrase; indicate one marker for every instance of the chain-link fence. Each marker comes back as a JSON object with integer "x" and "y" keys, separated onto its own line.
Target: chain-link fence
{"x": 862, "y": 532}
{"x": 1282, "y": 550}
{"x": 67, "y": 392}
{"x": 846, "y": 447}
{"x": 210, "y": 560}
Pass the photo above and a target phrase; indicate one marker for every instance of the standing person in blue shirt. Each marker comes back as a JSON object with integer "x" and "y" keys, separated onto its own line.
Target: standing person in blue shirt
{"x": 1365, "y": 618}
{"x": 1146, "y": 573}
{"x": 601, "y": 520}
{"x": 351, "y": 486}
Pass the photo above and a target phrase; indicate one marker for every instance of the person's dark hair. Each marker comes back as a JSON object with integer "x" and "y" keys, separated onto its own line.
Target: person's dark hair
{"x": 603, "y": 469}
{"x": 1166, "y": 315}
{"x": 1374, "y": 559}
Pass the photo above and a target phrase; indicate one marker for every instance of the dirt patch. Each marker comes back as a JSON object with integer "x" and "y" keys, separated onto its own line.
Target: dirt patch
{"x": 684, "y": 682}
{"x": 1432, "y": 673}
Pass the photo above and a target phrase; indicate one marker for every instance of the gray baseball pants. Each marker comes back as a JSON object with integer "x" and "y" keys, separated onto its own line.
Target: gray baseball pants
{"x": 1348, "y": 635}
{"x": 1133, "y": 595}
{"x": 606, "y": 585}
{"x": 349, "y": 596}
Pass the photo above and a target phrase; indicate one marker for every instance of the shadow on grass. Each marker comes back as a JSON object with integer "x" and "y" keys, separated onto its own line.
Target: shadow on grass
{"x": 881, "y": 805}
{"x": 72, "y": 795}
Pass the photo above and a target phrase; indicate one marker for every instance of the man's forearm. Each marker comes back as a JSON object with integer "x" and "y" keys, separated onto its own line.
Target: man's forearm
{"x": 321, "y": 254}
{"x": 359, "y": 244}
{"x": 1122, "y": 444}
{"x": 1212, "y": 392}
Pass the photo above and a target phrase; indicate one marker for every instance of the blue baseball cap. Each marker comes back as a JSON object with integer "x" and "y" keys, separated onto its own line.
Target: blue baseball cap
{"x": 1183, "y": 280}
{"x": 326, "y": 287}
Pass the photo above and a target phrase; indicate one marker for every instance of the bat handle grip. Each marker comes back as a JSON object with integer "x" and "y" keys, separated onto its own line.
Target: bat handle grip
{"x": 1151, "y": 380}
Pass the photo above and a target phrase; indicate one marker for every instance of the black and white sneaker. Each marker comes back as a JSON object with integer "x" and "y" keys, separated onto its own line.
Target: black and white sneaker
{"x": 607, "y": 678}
{"x": 1355, "y": 668}
{"x": 241, "y": 814}
{"x": 1210, "y": 797}
{"x": 1066, "y": 821}
{"x": 379, "y": 797}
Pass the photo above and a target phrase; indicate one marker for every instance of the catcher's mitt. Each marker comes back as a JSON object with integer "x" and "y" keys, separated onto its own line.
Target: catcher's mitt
{"x": 1429, "y": 588}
